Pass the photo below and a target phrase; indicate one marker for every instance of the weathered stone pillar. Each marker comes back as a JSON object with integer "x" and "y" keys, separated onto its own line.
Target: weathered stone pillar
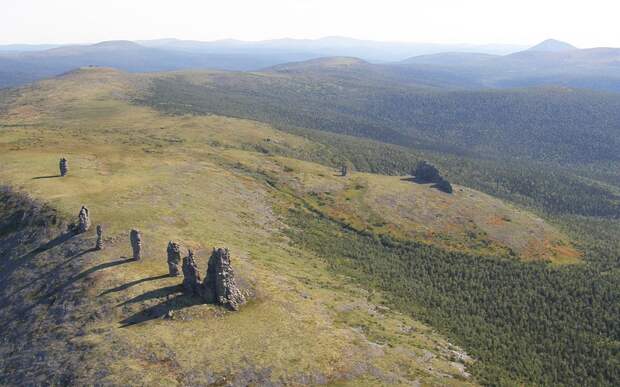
{"x": 136, "y": 244}
{"x": 220, "y": 285}
{"x": 191, "y": 275}
{"x": 174, "y": 258}
{"x": 64, "y": 166}
{"x": 99, "y": 243}
{"x": 344, "y": 170}
{"x": 83, "y": 220}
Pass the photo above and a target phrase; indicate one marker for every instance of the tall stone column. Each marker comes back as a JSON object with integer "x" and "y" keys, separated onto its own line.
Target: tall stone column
{"x": 136, "y": 244}
{"x": 174, "y": 258}
{"x": 220, "y": 285}
{"x": 63, "y": 166}
{"x": 99, "y": 243}
{"x": 83, "y": 220}
{"x": 191, "y": 275}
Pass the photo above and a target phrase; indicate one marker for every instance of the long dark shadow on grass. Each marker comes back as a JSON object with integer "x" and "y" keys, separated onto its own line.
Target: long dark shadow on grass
{"x": 11, "y": 266}
{"x": 155, "y": 293}
{"x": 86, "y": 273}
{"x": 132, "y": 283}
{"x": 56, "y": 270}
{"x": 180, "y": 301}
{"x": 46, "y": 177}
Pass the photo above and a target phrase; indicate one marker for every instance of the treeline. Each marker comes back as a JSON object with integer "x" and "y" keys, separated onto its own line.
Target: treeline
{"x": 545, "y": 187}
{"x": 529, "y": 324}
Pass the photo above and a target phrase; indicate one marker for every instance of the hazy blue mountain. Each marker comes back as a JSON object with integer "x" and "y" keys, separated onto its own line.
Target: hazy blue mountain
{"x": 26, "y": 47}
{"x": 22, "y": 64}
{"x": 22, "y": 67}
{"x": 553, "y": 45}
{"x": 452, "y": 59}
{"x": 439, "y": 66}
{"x": 372, "y": 51}
{"x": 548, "y": 63}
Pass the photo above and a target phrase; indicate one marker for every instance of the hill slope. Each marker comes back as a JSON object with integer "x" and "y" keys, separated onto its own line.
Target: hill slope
{"x": 346, "y": 280}
{"x": 181, "y": 179}
{"x": 544, "y": 124}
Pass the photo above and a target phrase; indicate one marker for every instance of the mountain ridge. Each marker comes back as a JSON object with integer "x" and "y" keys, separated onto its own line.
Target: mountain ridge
{"x": 552, "y": 45}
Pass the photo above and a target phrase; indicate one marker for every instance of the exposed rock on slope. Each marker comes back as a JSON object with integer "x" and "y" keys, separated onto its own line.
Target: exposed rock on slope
{"x": 99, "y": 242}
{"x": 191, "y": 275}
{"x": 63, "y": 166}
{"x": 83, "y": 220}
{"x": 174, "y": 258}
{"x": 136, "y": 244}
{"x": 220, "y": 285}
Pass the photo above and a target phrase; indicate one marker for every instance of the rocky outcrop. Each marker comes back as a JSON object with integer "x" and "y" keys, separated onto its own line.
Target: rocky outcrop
{"x": 220, "y": 285}
{"x": 136, "y": 244}
{"x": 427, "y": 173}
{"x": 191, "y": 275}
{"x": 344, "y": 170}
{"x": 174, "y": 258}
{"x": 99, "y": 243}
{"x": 83, "y": 220}
{"x": 63, "y": 165}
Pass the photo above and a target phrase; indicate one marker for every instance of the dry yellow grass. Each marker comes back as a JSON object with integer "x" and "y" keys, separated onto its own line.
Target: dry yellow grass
{"x": 467, "y": 220}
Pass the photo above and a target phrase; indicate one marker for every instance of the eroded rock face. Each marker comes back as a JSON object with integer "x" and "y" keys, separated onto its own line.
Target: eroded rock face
{"x": 174, "y": 258}
{"x": 220, "y": 285}
{"x": 99, "y": 243}
{"x": 83, "y": 220}
{"x": 63, "y": 166}
{"x": 191, "y": 275}
{"x": 136, "y": 244}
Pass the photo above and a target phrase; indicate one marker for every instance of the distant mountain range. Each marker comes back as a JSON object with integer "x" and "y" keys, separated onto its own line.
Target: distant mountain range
{"x": 22, "y": 67}
{"x": 26, "y": 47}
{"x": 453, "y": 66}
{"x": 372, "y": 51}
{"x": 549, "y": 63}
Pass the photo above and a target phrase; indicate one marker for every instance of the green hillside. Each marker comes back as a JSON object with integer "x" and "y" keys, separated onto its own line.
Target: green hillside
{"x": 366, "y": 279}
{"x": 89, "y": 315}
{"x": 543, "y": 124}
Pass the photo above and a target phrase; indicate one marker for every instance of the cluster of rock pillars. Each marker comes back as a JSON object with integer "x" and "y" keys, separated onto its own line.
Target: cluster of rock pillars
{"x": 219, "y": 285}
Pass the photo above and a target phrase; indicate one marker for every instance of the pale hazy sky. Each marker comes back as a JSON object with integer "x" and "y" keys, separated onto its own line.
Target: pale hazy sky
{"x": 583, "y": 23}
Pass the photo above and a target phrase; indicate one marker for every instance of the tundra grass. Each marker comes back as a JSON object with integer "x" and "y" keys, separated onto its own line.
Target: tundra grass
{"x": 174, "y": 179}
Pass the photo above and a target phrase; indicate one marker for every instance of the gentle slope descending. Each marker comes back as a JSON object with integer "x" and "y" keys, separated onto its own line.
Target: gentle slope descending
{"x": 173, "y": 179}
{"x": 466, "y": 220}
{"x": 350, "y": 273}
